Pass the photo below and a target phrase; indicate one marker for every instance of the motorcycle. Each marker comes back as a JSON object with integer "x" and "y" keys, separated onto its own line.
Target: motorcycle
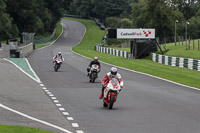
{"x": 57, "y": 64}
{"x": 93, "y": 74}
{"x": 111, "y": 92}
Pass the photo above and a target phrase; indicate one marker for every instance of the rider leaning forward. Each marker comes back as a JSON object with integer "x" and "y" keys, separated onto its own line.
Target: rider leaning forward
{"x": 112, "y": 74}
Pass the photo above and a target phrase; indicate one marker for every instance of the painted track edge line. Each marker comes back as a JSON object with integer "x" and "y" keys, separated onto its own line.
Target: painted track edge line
{"x": 141, "y": 73}
{"x": 53, "y": 41}
{"x": 39, "y": 81}
{"x": 21, "y": 70}
{"x": 35, "y": 119}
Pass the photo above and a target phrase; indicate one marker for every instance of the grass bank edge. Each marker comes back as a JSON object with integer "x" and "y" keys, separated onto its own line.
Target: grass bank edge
{"x": 176, "y": 74}
{"x": 21, "y": 129}
{"x": 57, "y": 34}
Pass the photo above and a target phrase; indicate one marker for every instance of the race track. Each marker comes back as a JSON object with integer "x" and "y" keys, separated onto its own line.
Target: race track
{"x": 145, "y": 105}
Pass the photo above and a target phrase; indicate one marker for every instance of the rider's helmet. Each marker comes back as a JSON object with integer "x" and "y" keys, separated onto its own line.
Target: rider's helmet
{"x": 59, "y": 53}
{"x": 96, "y": 59}
{"x": 113, "y": 71}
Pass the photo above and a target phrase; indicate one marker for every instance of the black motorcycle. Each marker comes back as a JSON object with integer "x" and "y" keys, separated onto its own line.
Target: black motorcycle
{"x": 93, "y": 74}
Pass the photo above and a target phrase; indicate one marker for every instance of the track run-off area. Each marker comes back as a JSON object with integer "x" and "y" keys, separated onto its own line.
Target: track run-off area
{"x": 67, "y": 99}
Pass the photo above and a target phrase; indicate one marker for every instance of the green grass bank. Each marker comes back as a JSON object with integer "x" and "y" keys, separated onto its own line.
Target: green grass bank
{"x": 58, "y": 32}
{"x": 20, "y": 129}
{"x": 94, "y": 35}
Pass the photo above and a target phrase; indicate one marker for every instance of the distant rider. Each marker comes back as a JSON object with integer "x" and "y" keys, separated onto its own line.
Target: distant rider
{"x": 112, "y": 74}
{"x": 58, "y": 57}
{"x": 95, "y": 61}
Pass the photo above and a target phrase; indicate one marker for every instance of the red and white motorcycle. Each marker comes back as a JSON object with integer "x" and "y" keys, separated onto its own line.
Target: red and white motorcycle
{"x": 110, "y": 93}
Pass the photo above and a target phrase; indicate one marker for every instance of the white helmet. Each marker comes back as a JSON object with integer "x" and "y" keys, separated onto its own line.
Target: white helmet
{"x": 95, "y": 58}
{"x": 59, "y": 53}
{"x": 113, "y": 71}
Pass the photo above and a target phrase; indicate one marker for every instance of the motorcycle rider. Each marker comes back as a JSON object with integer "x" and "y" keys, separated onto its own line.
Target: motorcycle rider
{"x": 112, "y": 74}
{"x": 95, "y": 61}
{"x": 58, "y": 56}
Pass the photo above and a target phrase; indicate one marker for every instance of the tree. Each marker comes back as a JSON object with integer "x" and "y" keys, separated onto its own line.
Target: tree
{"x": 7, "y": 29}
{"x": 112, "y": 22}
{"x": 125, "y": 23}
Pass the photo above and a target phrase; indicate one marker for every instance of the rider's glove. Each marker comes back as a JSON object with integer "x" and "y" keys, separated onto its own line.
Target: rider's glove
{"x": 121, "y": 87}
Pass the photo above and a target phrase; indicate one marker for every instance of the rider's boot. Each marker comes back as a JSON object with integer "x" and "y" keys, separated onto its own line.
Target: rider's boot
{"x": 101, "y": 95}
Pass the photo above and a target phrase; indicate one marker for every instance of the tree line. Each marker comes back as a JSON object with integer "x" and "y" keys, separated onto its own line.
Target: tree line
{"x": 158, "y": 14}
{"x": 38, "y": 16}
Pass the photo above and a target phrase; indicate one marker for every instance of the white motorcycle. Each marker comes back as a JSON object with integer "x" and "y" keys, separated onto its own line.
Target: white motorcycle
{"x": 111, "y": 92}
{"x": 93, "y": 74}
{"x": 57, "y": 64}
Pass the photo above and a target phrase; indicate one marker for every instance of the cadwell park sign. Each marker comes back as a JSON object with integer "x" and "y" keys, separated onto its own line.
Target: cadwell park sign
{"x": 136, "y": 33}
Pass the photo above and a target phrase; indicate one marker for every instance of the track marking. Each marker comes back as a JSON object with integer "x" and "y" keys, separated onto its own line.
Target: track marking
{"x": 61, "y": 109}
{"x": 53, "y": 41}
{"x": 44, "y": 88}
{"x": 37, "y": 80}
{"x": 35, "y": 119}
{"x": 65, "y": 113}
{"x": 51, "y": 95}
{"x": 59, "y": 105}
{"x": 75, "y": 125}
{"x": 53, "y": 98}
{"x": 42, "y": 85}
{"x": 55, "y": 101}
{"x": 79, "y": 131}
{"x": 70, "y": 118}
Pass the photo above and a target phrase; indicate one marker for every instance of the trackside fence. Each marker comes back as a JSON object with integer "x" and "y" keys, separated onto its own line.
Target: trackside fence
{"x": 112, "y": 51}
{"x": 177, "y": 61}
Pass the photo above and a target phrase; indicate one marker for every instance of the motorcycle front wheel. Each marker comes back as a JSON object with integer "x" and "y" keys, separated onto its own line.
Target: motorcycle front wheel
{"x": 56, "y": 68}
{"x": 111, "y": 102}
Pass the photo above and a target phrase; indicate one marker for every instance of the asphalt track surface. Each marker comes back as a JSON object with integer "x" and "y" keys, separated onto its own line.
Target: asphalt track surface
{"x": 145, "y": 105}
{"x": 21, "y": 93}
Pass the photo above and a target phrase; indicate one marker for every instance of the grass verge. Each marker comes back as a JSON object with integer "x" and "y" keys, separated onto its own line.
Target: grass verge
{"x": 20, "y": 129}
{"x": 180, "y": 49}
{"x": 58, "y": 32}
{"x": 94, "y": 35}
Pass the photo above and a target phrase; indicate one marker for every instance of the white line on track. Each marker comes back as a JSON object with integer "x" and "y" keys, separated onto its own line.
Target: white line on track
{"x": 142, "y": 73}
{"x": 75, "y": 125}
{"x": 61, "y": 109}
{"x": 35, "y": 119}
{"x": 44, "y": 88}
{"x": 37, "y": 80}
{"x": 53, "y": 41}
{"x": 51, "y": 95}
{"x": 59, "y": 105}
{"x": 55, "y": 101}
{"x": 42, "y": 85}
{"x": 65, "y": 113}
{"x": 79, "y": 131}
{"x": 70, "y": 118}
{"x": 53, "y": 98}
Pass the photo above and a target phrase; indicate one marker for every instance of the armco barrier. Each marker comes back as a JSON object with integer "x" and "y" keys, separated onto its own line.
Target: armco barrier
{"x": 112, "y": 51}
{"x": 25, "y": 50}
{"x": 177, "y": 61}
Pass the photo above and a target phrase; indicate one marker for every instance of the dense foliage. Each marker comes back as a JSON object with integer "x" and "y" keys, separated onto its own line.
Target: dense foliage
{"x": 158, "y": 14}
{"x": 41, "y": 16}
{"x": 37, "y": 16}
